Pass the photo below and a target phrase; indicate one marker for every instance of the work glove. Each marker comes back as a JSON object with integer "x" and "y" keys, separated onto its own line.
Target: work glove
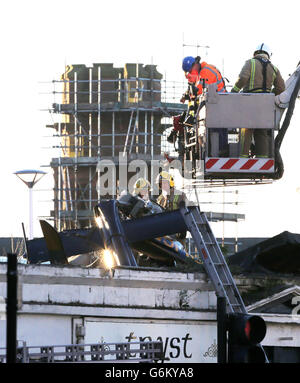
{"x": 171, "y": 137}
{"x": 184, "y": 97}
{"x": 193, "y": 90}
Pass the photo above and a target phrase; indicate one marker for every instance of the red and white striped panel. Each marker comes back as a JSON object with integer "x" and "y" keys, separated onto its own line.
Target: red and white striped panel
{"x": 240, "y": 165}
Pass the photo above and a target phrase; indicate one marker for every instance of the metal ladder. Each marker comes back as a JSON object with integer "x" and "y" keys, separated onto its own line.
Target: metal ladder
{"x": 212, "y": 258}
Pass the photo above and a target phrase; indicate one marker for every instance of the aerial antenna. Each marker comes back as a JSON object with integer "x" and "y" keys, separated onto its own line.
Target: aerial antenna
{"x": 197, "y": 46}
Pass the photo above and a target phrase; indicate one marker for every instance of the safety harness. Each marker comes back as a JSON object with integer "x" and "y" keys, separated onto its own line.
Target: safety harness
{"x": 171, "y": 203}
{"x": 264, "y": 62}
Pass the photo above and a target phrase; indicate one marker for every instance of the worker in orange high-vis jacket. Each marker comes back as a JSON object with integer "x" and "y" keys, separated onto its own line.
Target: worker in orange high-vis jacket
{"x": 198, "y": 74}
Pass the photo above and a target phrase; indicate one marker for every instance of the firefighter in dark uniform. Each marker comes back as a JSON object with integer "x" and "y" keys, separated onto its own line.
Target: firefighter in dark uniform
{"x": 258, "y": 75}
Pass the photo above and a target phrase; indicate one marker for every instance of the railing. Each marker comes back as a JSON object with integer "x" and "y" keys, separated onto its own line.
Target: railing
{"x": 133, "y": 352}
{"x": 166, "y": 91}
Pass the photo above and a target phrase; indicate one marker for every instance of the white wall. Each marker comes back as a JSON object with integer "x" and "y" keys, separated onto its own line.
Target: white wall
{"x": 38, "y": 330}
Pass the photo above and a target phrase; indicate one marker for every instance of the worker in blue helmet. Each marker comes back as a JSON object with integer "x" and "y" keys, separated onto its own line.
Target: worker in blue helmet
{"x": 191, "y": 67}
{"x": 198, "y": 75}
{"x": 187, "y": 63}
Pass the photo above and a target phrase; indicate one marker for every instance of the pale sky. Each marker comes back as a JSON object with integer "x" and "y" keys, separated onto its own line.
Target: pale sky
{"x": 40, "y": 37}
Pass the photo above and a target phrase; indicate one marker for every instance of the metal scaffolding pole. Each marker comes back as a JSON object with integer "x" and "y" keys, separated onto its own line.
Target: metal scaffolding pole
{"x": 152, "y": 137}
{"x": 119, "y": 88}
{"x": 70, "y": 191}
{"x": 152, "y": 147}
{"x": 76, "y": 150}
{"x": 113, "y": 155}
{"x": 99, "y": 132}
{"x": 236, "y": 247}
{"x": 90, "y": 137}
{"x": 59, "y": 207}
{"x": 113, "y": 135}
{"x": 137, "y": 111}
{"x": 146, "y": 132}
{"x": 64, "y": 191}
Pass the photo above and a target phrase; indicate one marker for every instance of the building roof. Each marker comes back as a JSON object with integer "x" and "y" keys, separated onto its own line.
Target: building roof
{"x": 279, "y": 254}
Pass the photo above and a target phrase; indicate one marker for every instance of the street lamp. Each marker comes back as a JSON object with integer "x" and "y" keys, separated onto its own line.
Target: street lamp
{"x": 30, "y": 178}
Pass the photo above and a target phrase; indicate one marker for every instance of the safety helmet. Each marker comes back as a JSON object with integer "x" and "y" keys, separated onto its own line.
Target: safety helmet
{"x": 263, "y": 48}
{"x": 187, "y": 63}
{"x": 141, "y": 184}
{"x": 165, "y": 176}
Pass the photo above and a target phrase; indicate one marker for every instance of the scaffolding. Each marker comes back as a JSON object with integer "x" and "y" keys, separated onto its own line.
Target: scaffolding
{"x": 105, "y": 112}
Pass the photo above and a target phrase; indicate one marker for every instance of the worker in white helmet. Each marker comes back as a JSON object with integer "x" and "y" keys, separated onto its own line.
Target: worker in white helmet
{"x": 258, "y": 75}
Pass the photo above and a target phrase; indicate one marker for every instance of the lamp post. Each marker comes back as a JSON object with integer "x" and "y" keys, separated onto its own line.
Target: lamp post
{"x": 30, "y": 178}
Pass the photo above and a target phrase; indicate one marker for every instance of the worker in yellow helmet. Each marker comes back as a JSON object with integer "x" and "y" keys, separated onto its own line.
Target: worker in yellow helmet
{"x": 167, "y": 197}
{"x": 141, "y": 188}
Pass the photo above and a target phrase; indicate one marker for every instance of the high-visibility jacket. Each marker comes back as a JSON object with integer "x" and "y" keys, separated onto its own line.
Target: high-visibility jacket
{"x": 259, "y": 75}
{"x": 207, "y": 72}
{"x": 170, "y": 202}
